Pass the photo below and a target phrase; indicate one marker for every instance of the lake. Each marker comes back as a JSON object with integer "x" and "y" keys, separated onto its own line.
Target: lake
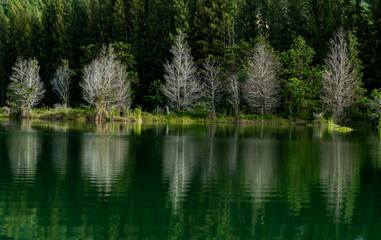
{"x": 65, "y": 180}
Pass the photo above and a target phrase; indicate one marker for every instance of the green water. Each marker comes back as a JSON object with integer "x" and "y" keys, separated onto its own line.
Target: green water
{"x": 126, "y": 181}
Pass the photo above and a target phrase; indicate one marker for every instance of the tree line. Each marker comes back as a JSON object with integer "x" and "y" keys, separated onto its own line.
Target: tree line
{"x": 229, "y": 40}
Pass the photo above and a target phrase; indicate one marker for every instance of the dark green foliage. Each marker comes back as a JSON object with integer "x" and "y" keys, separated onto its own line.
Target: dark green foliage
{"x": 375, "y": 43}
{"x": 300, "y": 80}
{"x": 17, "y": 98}
{"x": 126, "y": 56}
{"x": 93, "y": 23}
{"x": 155, "y": 95}
{"x": 4, "y": 31}
{"x": 106, "y": 24}
{"x": 140, "y": 31}
{"x": 181, "y": 18}
{"x": 374, "y": 105}
{"x": 295, "y": 96}
{"x": 119, "y": 26}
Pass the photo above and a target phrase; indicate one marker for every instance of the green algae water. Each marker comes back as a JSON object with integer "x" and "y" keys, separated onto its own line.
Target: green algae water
{"x": 62, "y": 180}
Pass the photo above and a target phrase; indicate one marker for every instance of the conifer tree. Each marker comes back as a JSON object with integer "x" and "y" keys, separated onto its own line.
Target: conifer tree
{"x": 201, "y": 31}
{"x": 21, "y": 31}
{"x": 120, "y": 27}
{"x": 78, "y": 19}
{"x": 4, "y": 31}
{"x": 181, "y": 19}
{"x": 106, "y": 22}
{"x": 376, "y": 19}
{"x": 60, "y": 31}
{"x": 93, "y": 22}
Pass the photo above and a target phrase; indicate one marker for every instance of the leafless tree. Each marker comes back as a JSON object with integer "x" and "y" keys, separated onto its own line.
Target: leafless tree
{"x": 261, "y": 88}
{"x": 105, "y": 82}
{"x": 340, "y": 79}
{"x": 182, "y": 87}
{"x": 234, "y": 93}
{"x": 122, "y": 91}
{"x": 212, "y": 84}
{"x": 26, "y": 89}
{"x": 61, "y": 81}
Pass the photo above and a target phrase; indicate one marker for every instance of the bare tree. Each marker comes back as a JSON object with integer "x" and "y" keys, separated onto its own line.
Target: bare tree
{"x": 182, "y": 87}
{"x": 122, "y": 91}
{"x": 105, "y": 83}
{"x": 234, "y": 94}
{"x": 26, "y": 88}
{"x": 261, "y": 88}
{"x": 61, "y": 81}
{"x": 212, "y": 84}
{"x": 340, "y": 79}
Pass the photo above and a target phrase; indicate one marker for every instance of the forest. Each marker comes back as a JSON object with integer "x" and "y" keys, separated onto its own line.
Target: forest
{"x": 241, "y": 56}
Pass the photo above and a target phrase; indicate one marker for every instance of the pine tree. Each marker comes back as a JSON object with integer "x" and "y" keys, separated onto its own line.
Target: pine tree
{"x": 201, "y": 31}
{"x": 4, "y": 31}
{"x": 182, "y": 16}
{"x": 120, "y": 27}
{"x": 247, "y": 27}
{"x": 135, "y": 15}
{"x": 376, "y": 19}
{"x": 78, "y": 19}
{"x": 60, "y": 32}
{"x": 322, "y": 26}
{"x": 215, "y": 27}
{"x": 93, "y": 22}
{"x": 106, "y": 22}
{"x": 19, "y": 33}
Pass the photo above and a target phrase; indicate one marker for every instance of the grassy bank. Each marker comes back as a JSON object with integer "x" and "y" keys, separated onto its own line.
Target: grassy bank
{"x": 188, "y": 117}
{"x": 136, "y": 115}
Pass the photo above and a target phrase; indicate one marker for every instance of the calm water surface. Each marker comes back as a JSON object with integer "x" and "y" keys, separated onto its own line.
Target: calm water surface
{"x": 121, "y": 181}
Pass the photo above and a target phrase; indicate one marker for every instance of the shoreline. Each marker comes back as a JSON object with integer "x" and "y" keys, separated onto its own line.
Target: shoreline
{"x": 137, "y": 116}
{"x": 89, "y": 115}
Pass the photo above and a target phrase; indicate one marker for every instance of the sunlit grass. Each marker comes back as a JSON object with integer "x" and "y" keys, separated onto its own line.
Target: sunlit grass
{"x": 343, "y": 129}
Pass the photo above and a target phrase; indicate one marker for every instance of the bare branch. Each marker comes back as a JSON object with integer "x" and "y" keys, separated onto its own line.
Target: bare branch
{"x": 61, "y": 81}
{"x": 26, "y": 83}
{"x": 105, "y": 82}
{"x": 182, "y": 87}
{"x": 340, "y": 79}
{"x": 261, "y": 88}
{"x": 234, "y": 94}
{"x": 212, "y": 84}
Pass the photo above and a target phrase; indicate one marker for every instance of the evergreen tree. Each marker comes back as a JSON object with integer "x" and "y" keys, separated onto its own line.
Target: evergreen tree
{"x": 93, "y": 22}
{"x": 153, "y": 43}
{"x": 376, "y": 19}
{"x": 136, "y": 15}
{"x": 300, "y": 79}
{"x": 201, "y": 31}
{"x": 322, "y": 26}
{"x": 78, "y": 19}
{"x": 106, "y": 22}
{"x": 21, "y": 32}
{"x": 181, "y": 19}
{"x": 247, "y": 27}
{"x": 60, "y": 32}
{"x": 120, "y": 28}
{"x": 4, "y": 31}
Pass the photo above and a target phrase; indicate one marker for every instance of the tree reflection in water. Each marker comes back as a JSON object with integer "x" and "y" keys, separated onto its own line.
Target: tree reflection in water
{"x": 103, "y": 157}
